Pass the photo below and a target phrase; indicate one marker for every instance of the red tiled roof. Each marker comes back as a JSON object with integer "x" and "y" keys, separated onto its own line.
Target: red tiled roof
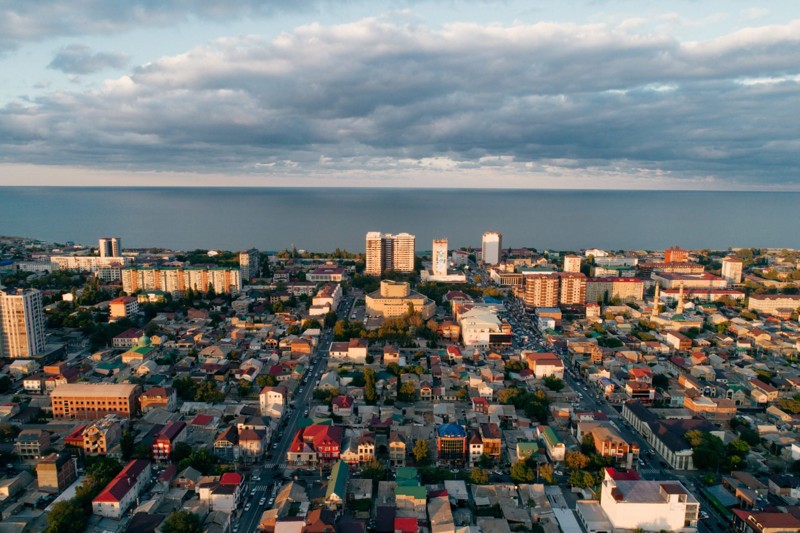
{"x": 231, "y": 478}
{"x": 405, "y": 525}
{"x": 120, "y": 485}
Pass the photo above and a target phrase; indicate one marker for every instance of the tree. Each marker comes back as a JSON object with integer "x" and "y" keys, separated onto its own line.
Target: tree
{"x": 660, "y": 381}
{"x": 245, "y": 387}
{"x": 207, "y": 392}
{"x": 546, "y": 472}
{"x": 265, "y": 380}
{"x": 370, "y": 394}
{"x": 422, "y": 452}
{"x": 576, "y": 461}
{"x": 587, "y": 444}
{"x": 66, "y": 516}
{"x": 484, "y": 461}
{"x": 521, "y": 472}
{"x": 182, "y": 522}
{"x": 126, "y": 445}
{"x": 479, "y": 476}
{"x": 553, "y": 383}
{"x": 181, "y": 451}
{"x": 5, "y": 384}
{"x": 185, "y": 388}
{"x": 407, "y": 392}
{"x": 374, "y": 469}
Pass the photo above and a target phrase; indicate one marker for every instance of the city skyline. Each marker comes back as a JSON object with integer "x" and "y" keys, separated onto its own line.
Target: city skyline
{"x": 581, "y": 95}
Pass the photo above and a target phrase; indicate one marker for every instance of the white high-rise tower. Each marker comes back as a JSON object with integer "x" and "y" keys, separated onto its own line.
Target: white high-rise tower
{"x": 439, "y": 257}
{"x": 22, "y": 333}
{"x": 491, "y": 246}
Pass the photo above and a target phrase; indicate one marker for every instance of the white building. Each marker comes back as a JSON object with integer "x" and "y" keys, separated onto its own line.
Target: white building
{"x": 22, "y": 333}
{"x": 572, "y": 263}
{"x": 478, "y": 325}
{"x": 651, "y": 505}
{"x": 248, "y": 264}
{"x": 439, "y": 257}
{"x": 272, "y": 401}
{"x": 121, "y": 493}
{"x": 110, "y": 247}
{"x": 732, "y": 270}
{"x": 491, "y": 247}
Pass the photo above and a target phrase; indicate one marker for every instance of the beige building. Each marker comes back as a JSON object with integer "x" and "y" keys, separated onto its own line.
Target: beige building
{"x": 439, "y": 257}
{"x": 541, "y": 289}
{"x": 773, "y": 304}
{"x": 55, "y": 473}
{"x": 394, "y": 298}
{"x": 626, "y": 289}
{"x": 101, "y": 436}
{"x": 178, "y": 280}
{"x": 572, "y": 289}
{"x": 732, "y": 270}
{"x": 122, "y": 307}
{"x": 110, "y": 247}
{"x": 572, "y": 263}
{"x": 94, "y": 400}
{"x": 22, "y": 333}
{"x": 387, "y": 251}
{"x": 491, "y": 247}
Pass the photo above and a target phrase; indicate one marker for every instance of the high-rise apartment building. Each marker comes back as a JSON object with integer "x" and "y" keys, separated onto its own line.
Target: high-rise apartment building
{"x": 732, "y": 270}
{"x": 110, "y": 247}
{"x": 491, "y": 247}
{"x": 676, "y": 255}
{"x": 22, "y": 333}
{"x": 177, "y": 280}
{"x": 387, "y": 251}
{"x": 572, "y": 290}
{"x": 541, "y": 289}
{"x": 439, "y": 257}
{"x": 248, "y": 264}
{"x": 572, "y": 263}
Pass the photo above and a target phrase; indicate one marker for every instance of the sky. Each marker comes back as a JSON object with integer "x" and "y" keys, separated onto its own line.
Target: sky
{"x": 568, "y": 94}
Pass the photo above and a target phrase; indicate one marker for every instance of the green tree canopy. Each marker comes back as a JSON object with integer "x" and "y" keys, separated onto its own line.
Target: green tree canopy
{"x": 182, "y": 522}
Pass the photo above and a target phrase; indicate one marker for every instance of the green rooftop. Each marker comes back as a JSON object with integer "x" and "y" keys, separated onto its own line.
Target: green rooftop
{"x": 338, "y": 480}
{"x": 418, "y": 493}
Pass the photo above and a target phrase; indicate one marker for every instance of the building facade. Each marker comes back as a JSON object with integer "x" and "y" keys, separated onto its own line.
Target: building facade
{"x": 94, "y": 400}
{"x": 394, "y": 298}
{"x": 248, "y": 264}
{"x": 178, "y": 280}
{"x": 22, "y": 331}
{"x": 387, "y": 251}
{"x": 491, "y": 247}
{"x": 572, "y": 263}
{"x": 732, "y": 270}
{"x": 55, "y": 473}
{"x": 439, "y": 257}
{"x": 110, "y": 247}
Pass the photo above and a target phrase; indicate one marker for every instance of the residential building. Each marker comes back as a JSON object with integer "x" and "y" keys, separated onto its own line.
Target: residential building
{"x": 607, "y": 289}
{"x": 272, "y": 401}
{"x": 397, "y": 450}
{"x": 56, "y": 472}
{"x": 158, "y": 398}
{"x": 316, "y": 444}
{"x": 732, "y": 270}
{"x": 94, "y": 400}
{"x": 674, "y": 280}
{"x": 122, "y": 307}
{"x": 353, "y": 351}
{"x": 110, "y": 247}
{"x": 121, "y": 493}
{"x": 554, "y": 446}
{"x": 491, "y": 247}
{"x": 572, "y": 263}
{"x": 248, "y": 264}
{"x": 165, "y": 441}
{"x": 651, "y": 505}
{"x": 764, "y": 522}
{"x": 177, "y": 280}
{"x": 541, "y": 289}
{"x": 31, "y": 443}
{"x": 607, "y": 440}
{"x": 337, "y": 485}
{"x": 327, "y": 274}
{"x": 774, "y": 304}
{"x": 676, "y": 255}
{"x": 491, "y": 439}
{"x": 439, "y": 257}
{"x": 394, "y": 299}
{"x": 22, "y": 333}
{"x": 572, "y": 288}
{"x": 451, "y": 444}
{"x": 544, "y": 364}
{"x": 387, "y": 251}
{"x": 100, "y": 437}
{"x": 222, "y": 493}
{"x": 226, "y": 445}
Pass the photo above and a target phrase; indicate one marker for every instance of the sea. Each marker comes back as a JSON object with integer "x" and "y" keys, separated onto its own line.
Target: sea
{"x": 323, "y": 219}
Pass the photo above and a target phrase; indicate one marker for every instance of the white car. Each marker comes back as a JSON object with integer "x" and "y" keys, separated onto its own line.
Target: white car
{"x": 262, "y": 501}
{"x": 247, "y": 507}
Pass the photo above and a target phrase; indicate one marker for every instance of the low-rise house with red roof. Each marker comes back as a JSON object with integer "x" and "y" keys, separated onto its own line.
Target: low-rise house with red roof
{"x": 222, "y": 493}
{"x": 342, "y": 405}
{"x": 121, "y": 493}
{"x": 316, "y": 443}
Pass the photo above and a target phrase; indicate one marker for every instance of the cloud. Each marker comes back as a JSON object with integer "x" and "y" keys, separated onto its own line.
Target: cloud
{"x": 35, "y": 21}
{"x": 79, "y": 59}
{"x": 383, "y": 96}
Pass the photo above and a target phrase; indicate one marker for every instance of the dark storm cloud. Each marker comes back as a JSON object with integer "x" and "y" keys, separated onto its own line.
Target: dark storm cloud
{"x": 374, "y": 95}
{"x": 79, "y": 59}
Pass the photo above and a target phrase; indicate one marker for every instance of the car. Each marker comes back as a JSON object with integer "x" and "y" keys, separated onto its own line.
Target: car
{"x": 275, "y": 445}
{"x": 271, "y": 501}
{"x": 236, "y": 528}
{"x": 262, "y": 501}
{"x": 256, "y": 478}
{"x": 253, "y": 492}
{"x": 247, "y": 507}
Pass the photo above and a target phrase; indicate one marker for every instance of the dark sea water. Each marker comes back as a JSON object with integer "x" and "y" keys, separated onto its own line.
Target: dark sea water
{"x": 323, "y": 219}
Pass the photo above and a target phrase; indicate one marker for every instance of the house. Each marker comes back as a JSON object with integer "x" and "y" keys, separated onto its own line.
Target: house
{"x": 222, "y": 493}
{"x": 353, "y": 351}
{"x": 32, "y": 443}
{"x": 342, "y": 406}
{"x": 337, "y": 485}
{"x": 397, "y": 450}
{"x": 226, "y": 445}
{"x": 272, "y": 401}
{"x": 123, "y": 490}
{"x": 544, "y": 364}
{"x": 158, "y": 398}
{"x": 167, "y": 438}
{"x": 316, "y": 443}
